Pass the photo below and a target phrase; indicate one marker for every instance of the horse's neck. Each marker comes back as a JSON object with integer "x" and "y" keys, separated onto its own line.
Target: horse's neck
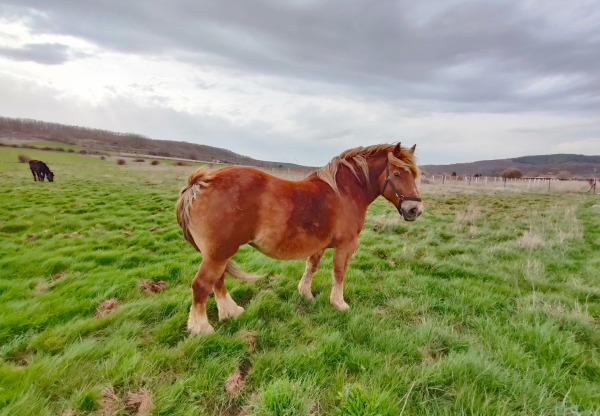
{"x": 357, "y": 188}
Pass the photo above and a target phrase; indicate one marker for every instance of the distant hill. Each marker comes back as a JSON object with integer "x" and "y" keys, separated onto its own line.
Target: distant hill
{"x": 97, "y": 140}
{"x": 560, "y": 165}
{"x": 19, "y": 130}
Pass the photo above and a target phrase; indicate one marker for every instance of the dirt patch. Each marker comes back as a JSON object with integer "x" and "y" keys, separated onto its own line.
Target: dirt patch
{"x": 250, "y": 337}
{"x": 21, "y": 358}
{"x": 151, "y": 286}
{"x": 235, "y": 382}
{"x": 140, "y": 403}
{"x": 58, "y": 276}
{"x": 106, "y": 307}
{"x": 42, "y": 287}
{"x": 110, "y": 404}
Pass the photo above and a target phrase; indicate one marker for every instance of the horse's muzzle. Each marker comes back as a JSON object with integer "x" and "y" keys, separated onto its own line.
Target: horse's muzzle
{"x": 410, "y": 210}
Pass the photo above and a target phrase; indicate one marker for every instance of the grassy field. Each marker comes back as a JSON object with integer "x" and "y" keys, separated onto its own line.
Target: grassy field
{"x": 488, "y": 304}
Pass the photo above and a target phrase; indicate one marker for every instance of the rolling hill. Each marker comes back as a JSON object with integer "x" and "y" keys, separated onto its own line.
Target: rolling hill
{"x": 19, "y": 131}
{"x": 560, "y": 165}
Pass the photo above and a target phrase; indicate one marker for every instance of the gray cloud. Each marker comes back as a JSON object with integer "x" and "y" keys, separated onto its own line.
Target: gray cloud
{"x": 42, "y": 53}
{"x": 470, "y": 56}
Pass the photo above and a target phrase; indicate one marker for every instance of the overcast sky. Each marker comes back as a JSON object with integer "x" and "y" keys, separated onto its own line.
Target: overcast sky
{"x": 302, "y": 80}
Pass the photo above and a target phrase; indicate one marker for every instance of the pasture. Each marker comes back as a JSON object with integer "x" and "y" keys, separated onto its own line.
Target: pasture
{"x": 488, "y": 304}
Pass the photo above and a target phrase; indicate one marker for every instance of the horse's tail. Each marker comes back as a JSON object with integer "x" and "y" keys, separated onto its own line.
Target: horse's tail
{"x": 238, "y": 273}
{"x": 197, "y": 180}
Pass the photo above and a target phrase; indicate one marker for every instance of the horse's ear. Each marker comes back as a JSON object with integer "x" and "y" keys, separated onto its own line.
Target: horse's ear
{"x": 397, "y": 150}
{"x": 412, "y": 149}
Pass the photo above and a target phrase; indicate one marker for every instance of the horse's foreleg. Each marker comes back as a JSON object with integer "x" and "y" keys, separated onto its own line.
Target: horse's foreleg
{"x": 312, "y": 263}
{"x": 34, "y": 177}
{"x": 341, "y": 257}
{"x": 225, "y": 303}
{"x": 208, "y": 273}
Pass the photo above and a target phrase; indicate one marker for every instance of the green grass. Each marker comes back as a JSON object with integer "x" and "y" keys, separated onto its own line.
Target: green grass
{"x": 488, "y": 304}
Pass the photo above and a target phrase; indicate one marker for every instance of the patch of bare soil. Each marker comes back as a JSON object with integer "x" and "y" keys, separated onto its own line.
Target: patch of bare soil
{"x": 110, "y": 404}
{"x": 151, "y": 286}
{"x": 22, "y": 358}
{"x": 42, "y": 287}
{"x": 249, "y": 337}
{"x": 140, "y": 403}
{"x": 106, "y": 307}
{"x": 235, "y": 382}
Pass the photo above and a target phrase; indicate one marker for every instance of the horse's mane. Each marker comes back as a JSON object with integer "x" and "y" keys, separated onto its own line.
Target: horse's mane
{"x": 359, "y": 156}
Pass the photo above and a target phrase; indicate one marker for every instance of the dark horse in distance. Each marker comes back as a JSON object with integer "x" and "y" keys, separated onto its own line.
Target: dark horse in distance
{"x": 40, "y": 171}
{"x": 220, "y": 210}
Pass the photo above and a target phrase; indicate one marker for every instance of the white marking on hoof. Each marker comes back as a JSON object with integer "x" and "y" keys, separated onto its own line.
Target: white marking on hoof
{"x": 227, "y": 307}
{"x": 337, "y": 297}
{"x": 340, "y": 306}
{"x": 305, "y": 291}
{"x": 198, "y": 324}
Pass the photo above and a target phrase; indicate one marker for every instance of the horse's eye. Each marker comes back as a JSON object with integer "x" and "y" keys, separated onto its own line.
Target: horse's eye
{"x": 396, "y": 174}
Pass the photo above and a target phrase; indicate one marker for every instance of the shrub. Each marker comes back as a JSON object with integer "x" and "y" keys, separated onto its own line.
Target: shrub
{"x": 180, "y": 163}
{"x": 121, "y": 162}
{"x": 512, "y": 173}
{"x": 24, "y": 159}
{"x": 154, "y": 162}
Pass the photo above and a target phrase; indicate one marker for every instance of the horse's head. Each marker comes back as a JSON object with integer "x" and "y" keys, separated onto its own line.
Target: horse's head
{"x": 50, "y": 176}
{"x": 398, "y": 182}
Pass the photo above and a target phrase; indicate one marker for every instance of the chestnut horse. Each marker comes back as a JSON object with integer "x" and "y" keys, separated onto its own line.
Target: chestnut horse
{"x": 220, "y": 210}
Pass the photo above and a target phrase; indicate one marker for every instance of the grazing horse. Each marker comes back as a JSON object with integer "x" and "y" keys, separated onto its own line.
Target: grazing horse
{"x": 40, "y": 169}
{"x": 220, "y": 210}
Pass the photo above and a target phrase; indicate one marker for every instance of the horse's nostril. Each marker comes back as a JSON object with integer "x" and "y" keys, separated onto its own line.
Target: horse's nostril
{"x": 413, "y": 212}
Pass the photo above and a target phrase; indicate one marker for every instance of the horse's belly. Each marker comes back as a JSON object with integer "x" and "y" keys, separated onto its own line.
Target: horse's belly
{"x": 289, "y": 248}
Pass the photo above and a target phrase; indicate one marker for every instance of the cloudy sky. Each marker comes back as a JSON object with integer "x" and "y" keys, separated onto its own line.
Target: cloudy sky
{"x": 302, "y": 80}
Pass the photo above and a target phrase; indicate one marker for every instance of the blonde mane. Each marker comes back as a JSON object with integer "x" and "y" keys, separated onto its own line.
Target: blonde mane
{"x": 359, "y": 156}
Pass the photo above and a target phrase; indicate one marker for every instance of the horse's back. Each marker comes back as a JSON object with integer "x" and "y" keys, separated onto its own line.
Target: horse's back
{"x": 236, "y": 205}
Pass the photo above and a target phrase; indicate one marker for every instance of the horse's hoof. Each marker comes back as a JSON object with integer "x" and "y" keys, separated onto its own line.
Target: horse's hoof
{"x": 307, "y": 294}
{"x": 343, "y": 306}
{"x": 201, "y": 331}
{"x": 231, "y": 312}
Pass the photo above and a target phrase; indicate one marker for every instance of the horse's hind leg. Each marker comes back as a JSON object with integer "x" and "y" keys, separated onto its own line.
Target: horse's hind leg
{"x": 208, "y": 274}
{"x": 312, "y": 263}
{"x": 225, "y": 303}
{"x": 341, "y": 257}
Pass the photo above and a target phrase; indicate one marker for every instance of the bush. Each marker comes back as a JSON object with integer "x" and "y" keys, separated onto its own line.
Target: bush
{"x": 121, "y": 162}
{"x": 512, "y": 173}
{"x": 155, "y": 162}
{"x": 180, "y": 163}
{"x": 24, "y": 159}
